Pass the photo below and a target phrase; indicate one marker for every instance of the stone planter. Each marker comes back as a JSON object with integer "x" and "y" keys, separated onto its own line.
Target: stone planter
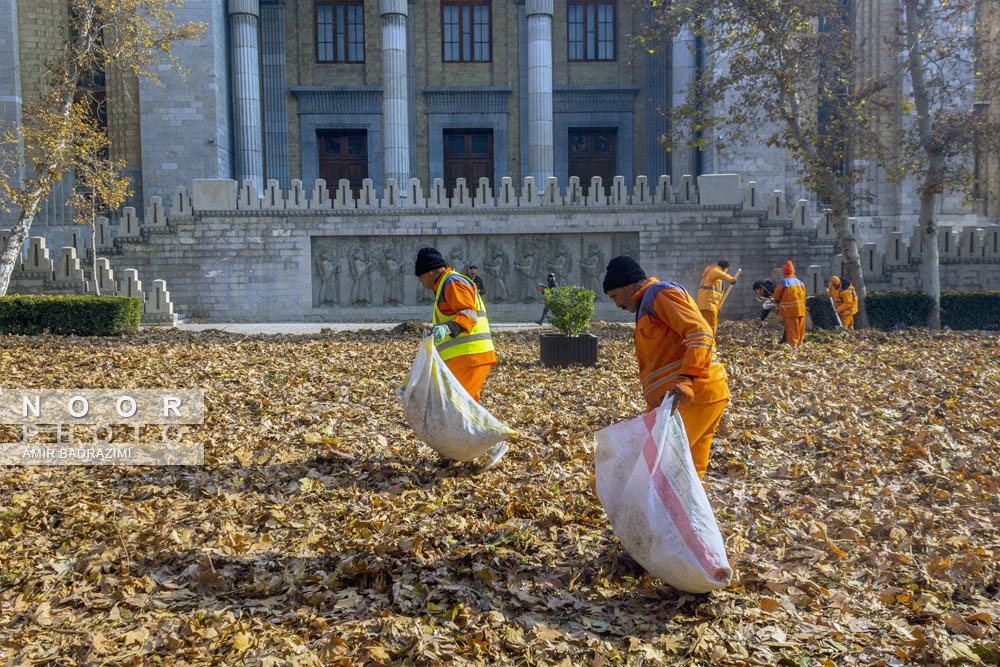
{"x": 563, "y": 350}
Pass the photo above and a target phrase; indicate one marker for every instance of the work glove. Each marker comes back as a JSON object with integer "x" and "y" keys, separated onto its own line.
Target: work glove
{"x": 682, "y": 392}
{"x": 440, "y": 332}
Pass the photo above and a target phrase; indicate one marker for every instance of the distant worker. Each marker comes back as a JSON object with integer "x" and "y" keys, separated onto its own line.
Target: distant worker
{"x": 791, "y": 297}
{"x": 461, "y": 331}
{"x": 550, "y": 282}
{"x": 477, "y": 279}
{"x": 848, "y": 307}
{"x": 675, "y": 349}
{"x": 833, "y": 291}
{"x": 710, "y": 292}
{"x": 764, "y": 289}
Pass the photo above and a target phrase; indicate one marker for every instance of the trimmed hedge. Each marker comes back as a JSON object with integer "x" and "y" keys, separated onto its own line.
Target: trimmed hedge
{"x": 959, "y": 310}
{"x": 821, "y": 311}
{"x": 28, "y": 315}
{"x": 889, "y": 310}
{"x": 970, "y": 310}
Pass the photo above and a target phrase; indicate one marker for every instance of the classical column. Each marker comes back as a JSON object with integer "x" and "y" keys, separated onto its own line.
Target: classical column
{"x": 244, "y": 19}
{"x": 395, "y": 113}
{"x": 539, "y": 13}
{"x": 683, "y": 73}
{"x": 274, "y": 90}
{"x": 10, "y": 82}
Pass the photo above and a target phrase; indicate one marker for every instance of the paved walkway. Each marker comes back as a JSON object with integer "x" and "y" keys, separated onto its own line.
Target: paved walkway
{"x": 316, "y": 327}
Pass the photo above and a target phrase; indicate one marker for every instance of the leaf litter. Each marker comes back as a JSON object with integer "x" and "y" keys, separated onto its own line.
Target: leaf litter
{"x": 855, "y": 481}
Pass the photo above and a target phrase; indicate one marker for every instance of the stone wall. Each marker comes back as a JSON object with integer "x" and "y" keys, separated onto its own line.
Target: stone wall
{"x": 325, "y": 255}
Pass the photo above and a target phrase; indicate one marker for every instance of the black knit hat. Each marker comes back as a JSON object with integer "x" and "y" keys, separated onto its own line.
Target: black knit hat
{"x": 429, "y": 259}
{"x": 622, "y": 271}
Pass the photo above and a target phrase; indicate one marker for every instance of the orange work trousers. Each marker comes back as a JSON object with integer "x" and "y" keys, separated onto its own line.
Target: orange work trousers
{"x": 712, "y": 317}
{"x": 700, "y": 421}
{"x": 795, "y": 330}
{"x": 847, "y": 321}
{"x": 470, "y": 377}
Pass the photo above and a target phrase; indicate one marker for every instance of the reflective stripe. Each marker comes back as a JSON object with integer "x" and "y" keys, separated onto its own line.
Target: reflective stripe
{"x": 657, "y": 384}
{"x": 714, "y": 289}
{"x": 700, "y": 334}
{"x": 662, "y": 369}
{"x": 478, "y": 340}
{"x": 700, "y": 344}
{"x": 463, "y": 339}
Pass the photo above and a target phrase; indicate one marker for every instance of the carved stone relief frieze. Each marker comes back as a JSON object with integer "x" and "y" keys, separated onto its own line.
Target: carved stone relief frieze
{"x": 377, "y": 271}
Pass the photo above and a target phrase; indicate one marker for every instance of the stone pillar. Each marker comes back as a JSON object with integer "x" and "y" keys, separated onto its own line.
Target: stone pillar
{"x": 540, "y": 160}
{"x": 10, "y": 82}
{"x": 244, "y": 20}
{"x": 683, "y": 73}
{"x": 395, "y": 112}
{"x": 274, "y": 90}
{"x": 657, "y": 105}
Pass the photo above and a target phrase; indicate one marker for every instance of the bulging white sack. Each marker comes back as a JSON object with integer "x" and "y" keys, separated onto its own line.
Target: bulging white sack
{"x": 657, "y": 506}
{"x": 443, "y": 414}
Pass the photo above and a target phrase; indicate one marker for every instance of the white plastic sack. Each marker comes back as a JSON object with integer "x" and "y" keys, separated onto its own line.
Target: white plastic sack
{"x": 443, "y": 414}
{"x": 657, "y": 506}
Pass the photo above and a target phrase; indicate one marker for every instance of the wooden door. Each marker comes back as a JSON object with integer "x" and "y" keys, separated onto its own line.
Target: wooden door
{"x": 468, "y": 154}
{"x": 593, "y": 152}
{"x": 343, "y": 154}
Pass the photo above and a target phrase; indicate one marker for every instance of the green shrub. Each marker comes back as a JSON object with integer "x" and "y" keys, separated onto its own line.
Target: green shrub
{"x": 888, "y": 310}
{"x": 571, "y": 308}
{"x": 822, "y": 313}
{"x": 970, "y": 310}
{"x": 80, "y": 315}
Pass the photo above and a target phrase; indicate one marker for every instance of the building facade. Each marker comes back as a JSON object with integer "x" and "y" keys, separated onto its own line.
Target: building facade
{"x": 449, "y": 89}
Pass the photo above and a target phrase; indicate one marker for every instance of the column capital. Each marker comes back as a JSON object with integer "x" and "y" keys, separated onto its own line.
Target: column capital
{"x": 386, "y": 7}
{"x": 539, "y": 7}
{"x": 251, "y": 7}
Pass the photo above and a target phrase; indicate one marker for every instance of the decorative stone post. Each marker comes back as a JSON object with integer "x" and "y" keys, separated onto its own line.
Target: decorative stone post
{"x": 395, "y": 113}
{"x": 540, "y": 161}
{"x": 244, "y": 19}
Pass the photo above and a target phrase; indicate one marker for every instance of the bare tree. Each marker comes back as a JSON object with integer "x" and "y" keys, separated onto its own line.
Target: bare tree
{"x": 783, "y": 73}
{"x": 130, "y": 36}
{"x": 101, "y": 186}
{"x": 948, "y": 56}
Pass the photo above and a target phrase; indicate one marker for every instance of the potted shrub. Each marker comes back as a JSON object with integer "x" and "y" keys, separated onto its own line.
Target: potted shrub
{"x": 571, "y": 308}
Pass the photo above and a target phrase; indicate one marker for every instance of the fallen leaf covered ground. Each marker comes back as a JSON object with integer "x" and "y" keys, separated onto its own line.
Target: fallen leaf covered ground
{"x": 855, "y": 481}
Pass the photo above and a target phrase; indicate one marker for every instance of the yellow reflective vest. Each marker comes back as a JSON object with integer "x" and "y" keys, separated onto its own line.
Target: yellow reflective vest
{"x": 478, "y": 340}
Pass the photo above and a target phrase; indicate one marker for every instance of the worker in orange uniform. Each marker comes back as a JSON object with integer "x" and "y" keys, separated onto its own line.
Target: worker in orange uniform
{"x": 848, "y": 305}
{"x": 791, "y": 297}
{"x": 675, "y": 349}
{"x": 833, "y": 291}
{"x": 710, "y": 292}
{"x": 461, "y": 330}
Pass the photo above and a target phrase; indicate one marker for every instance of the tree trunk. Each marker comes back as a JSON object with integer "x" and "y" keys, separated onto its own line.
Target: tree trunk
{"x": 93, "y": 258}
{"x": 829, "y": 183}
{"x": 930, "y": 271}
{"x": 14, "y": 242}
{"x": 930, "y": 268}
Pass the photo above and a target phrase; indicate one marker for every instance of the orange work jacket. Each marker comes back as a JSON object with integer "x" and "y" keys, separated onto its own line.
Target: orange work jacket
{"x": 791, "y": 297}
{"x": 848, "y": 302}
{"x": 458, "y": 298}
{"x": 673, "y": 339}
{"x": 710, "y": 289}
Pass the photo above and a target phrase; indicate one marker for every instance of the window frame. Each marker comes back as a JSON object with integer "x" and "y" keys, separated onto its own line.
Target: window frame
{"x": 471, "y": 4}
{"x": 333, "y": 5}
{"x": 596, "y": 4}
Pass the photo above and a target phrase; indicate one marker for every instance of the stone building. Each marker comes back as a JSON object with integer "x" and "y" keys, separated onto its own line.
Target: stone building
{"x": 379, "y": 89}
